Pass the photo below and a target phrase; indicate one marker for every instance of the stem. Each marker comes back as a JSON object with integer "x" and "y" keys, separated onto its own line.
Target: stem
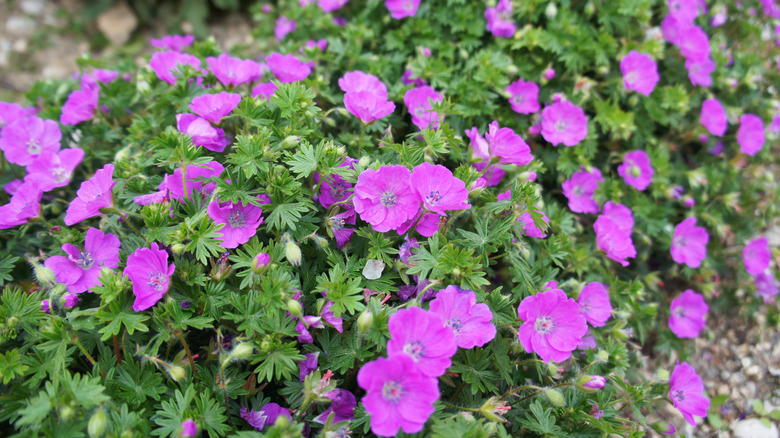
{"x": 462, "y": 408}
{"x": 523, "y": 362}
{"x": 520, "y": 388}
{"x": 360, "y": 144}
{"x": 187, "y": 349}
{"x": 221, "y": 378}
{"x": 135, "y": 230}
{"x": 184, "y": 180}
{"x": 457, "y": 393}
{"x": 304, "y": 407}
{"x": 116, "y": 349}
{"x": 86, "y": 353}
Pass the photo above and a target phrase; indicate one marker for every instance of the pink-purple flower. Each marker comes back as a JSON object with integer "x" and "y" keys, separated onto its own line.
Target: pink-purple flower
{"x": 553, "y": 325}
{"x": 713, "y": 117}
{"x": 579, "y": 191}
{"x": 189, "y": 429}
{"x": 693, "y": 43}
{"x": 402, "y": 8}
{"x": 287, "y": 68}
{"x": 564, "y": 122}
{"x": 356, "y": 81}
{"x": 28, "y": 137}
{"x": 756, "y": 256}
{"x": 241, "y": 221}
{"x": 331, "y": 5}
{"x": 266, "y": 416}
{"x": 342, "y": 405}
{"x": 168, "y": 65}
{"x": 614, "y": 239}
{"x": 150, "y": 273}
{"x": 25, "y": 204}
{"x": 699, "y": 71}
{"x": 201, "y": 131}
{"x": 594, "y": 304}
{"x": 93, "y": 195}
{"x": 640, "y": 72}
{"x": 636, "y": 170}
{"x": 398, "y": 395}
{"x": 52, "y": 170}
{"x": 438, "y": 189}
{"x": 335, "y": 188}
{"x": 384, "y": 197}
{"x": 684, "y": 10}
{"x": 688, "y": 312}
{"x": 766, "y": 285}
{"x": 177, "y": 43}
{"x": 213, "y": 107}
{"x": 418, "y": 103}
{"x": 79, "y": 270}
{"x": 234, "y": 71}
{"x": 686, "y": 391}
{"x": 507, "y": 145}
{"x": 499, "y": 19}
{"x": 264, "y": 90}
{"x": 367, "y": 106}
{"x": 529, "y": 226}
{"x": 80, "y": 106}
{"x": 471, "y": 323}
{"x": 10, "y": 112}
{"x": 524, "y": 96}
{"x": 423, "y": 337}
{"x": 689, "y": 245}
{"x": 750, "y": 135}
{"x": 283, "y": 27}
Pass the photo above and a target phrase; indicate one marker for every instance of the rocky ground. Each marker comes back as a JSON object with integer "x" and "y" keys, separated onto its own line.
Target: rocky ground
{"x": 38, "y": 40}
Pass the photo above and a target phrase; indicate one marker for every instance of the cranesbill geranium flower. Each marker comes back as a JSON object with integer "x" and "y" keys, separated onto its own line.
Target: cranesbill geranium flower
{"x": 524, "y": 96}
{"x": 264, "y": 90}
{"x": 367, "y": 106}
{"x": 233, "y": 71}
{"x": 438, "y": 189}
{"x": 766, "y": 286}
{"x": 756, "y": 256}
{"x": 241, "y": 221}
{"x": 507, "y": 145}
{"x": 308, "y": 365}
{"x": 335, "y": 188}
{"x": 175, "y": 184}
{"x": 422, "y": 336}
{"x": 636, "y": 170}
{"x": 594, "y": 304}
{"x": 499, "y": 20}
{"x": 213, "y": 107}
{"x": 418, "y": 103}
{"x": 684, "y": 10}
{"x": 266, "y": 416}
{"x": 564, "y": 122}
{"x": 331, "y": 5}
{"x": 25, "y": 204}
{"x": 384, "y": 197}
{"x": 167, "y": 65}
{"x": 398, "y": 395}
{"x": 685, "y": 390}
{"x": 672, "y": 28}
{"x": 553, "y": 325}
{"x": 150, "y": 273}
{"x": 342, "y": 405}
{"x": 201, "y": 131}
{"x": 283, "y": 27}
{"x": 51, "y": 170}
{"x": 10, "y": 112}
{"x": 687, "y": 314}
{"x": 402, "y": 8}
{"x": 80, "y": 106}
{"x": 408, "y": 78}
{"x": 26, "y": 138}
{"x": 713, "y": 117}
{"x": 80, "y": 269}
{"x": 176, "y": 43}
{"x": 579, "y": 191}
{"x": 699, "y": 71}
{"x": 93, "y": 195}
{"x": 689, "y": 245}
{"x": 750, "y": 135}
{"x": 469, "y": 321}
{"x": 529, "y": 226}
{"x": 614, "y": 240}
{"x": 427, "y": 225}
{"x": 356, "y": 81}
{"x": 640, "y": 72}
{"x": 620, "y": 214}
{"x": 694, "y": 44}
{"x": 287, "y": 68}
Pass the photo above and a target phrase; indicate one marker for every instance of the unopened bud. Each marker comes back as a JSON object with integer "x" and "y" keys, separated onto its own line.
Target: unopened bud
{"x": 97, "y": 424}
{"x": 512, "y": 70}
{"x": 44, "y": 275}
{"x": 295, "y": 308}
{"x": 364, "y": 161}
{"x": 260, "y": 262}
{"x": 177, "y": 248}
{"x": 603, "y": 356}
{"x": 663, "y": 375}
{"x": 551, "y": 11}
{"x": 127, "y": 433}
{"x": 290, "y": 142}
{"x": 189, "y": 429}
{"x": 177, "y": 373}
{"x": 243, "y": 351}
{"x": 66, "y": 412}
{"x": 69, "y": 300}
{"x": 552, "y": 369}
{"x": 365, "y": 321}
{"x": 590, "y": 9}
{"x": 293, "y": 253}
{"x": 590, "y": 383}
{"x": 282, "y": 421}
{"x": 555, "y": 397}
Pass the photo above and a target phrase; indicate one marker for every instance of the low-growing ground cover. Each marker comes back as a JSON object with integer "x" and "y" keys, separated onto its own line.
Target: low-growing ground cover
{"x": 392, "y": 216}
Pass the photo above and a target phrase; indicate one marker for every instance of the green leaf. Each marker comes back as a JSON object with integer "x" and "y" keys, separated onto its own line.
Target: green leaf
{"x": 280, "y": 361}
{"x": 36, "y": 410}
{"x": 305, "y": 161}
{"x": 7, "y": 263}
{"x": 172, "y": 412}
{"x": 11, "y": 366}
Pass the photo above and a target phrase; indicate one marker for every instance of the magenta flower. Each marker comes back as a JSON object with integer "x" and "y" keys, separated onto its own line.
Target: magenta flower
{"x": 384, "y": 197}
{"x": 766, "y": 286}
{"x": 177, "y": 43}
{"x": 25, "y": 204}
{"x": 499, "y": 20}
{"x": 685, "y": 390}
{"x": 264, "y": 90}
{"x": 530, "y": 228}
{"x": 167, "y": 65}
{"x": 694, "y": 44}
{"x": 524, "y": 96}
{"x": 335, "y": 188}
{"x": 684, "y": 10}
{"x": 175, "y": 185}
{"x": 303, "y": 326}
{"x": 26, "y": 138}
{"x": 614, "y": 240}
{"x": 408, "y": 79}
{"x": 331, "y": 5}
{"x": 470, "y": 322}
{"x": 713, "y": 117}
{"x": 287, "y": 68}
{"x": 438, "y": 189}
{"x": 422, "y": 336}
{"x": 579, "y": 191}
{"x": 418, "y": 103}
{"x": 356, "y": 81}
{"x": 620, "y": 214}
{"x": 481, "y": 149}
{"x": 689, "y": 245}
{"x": 564, "y": 122}
{"x": 687, "y": 314}
{"x": 10, "y": 112}
{"x": 595, "y": 383}
{"x": 80, "y": 106}
{"x": 189, "y": 429}
{"x": 233, "y": 71}
{"x": 52, "y": 170}
{"x": 308, "y": 365}
{"x": 405, "y": 250}
{"x": 367, "y": 106}
{"x": 553, "y": 325}
{"x": 321, "y": 44}
{"x": 672, "y": 29}
{"x": 150, "y": 273}
{"x": 427, "y": 226}
{"x": 201, "y": 131}
{"x": 283, "y": 27}
{"x": 80, "y": 269}
{"x": 756, "y": 256}
{"x": 750, "y": 135}
{"x": 549, "y": 73}
{"x": 241, "y": 221}
{"x": 699, "y": 71}
{"x": 398, "y": 395}
{"x": 636, "y": 170}
{"x": 507, "y": 145}
{"x": 640, "y": 72}
{"x": 213, "y": 107}
{"x": 594, "y": 304}
{"x": 402, "y": 8}
{"x": 266, "y": 416}
{"x": 93, "y": 195}
{"x": 342, "y": 405}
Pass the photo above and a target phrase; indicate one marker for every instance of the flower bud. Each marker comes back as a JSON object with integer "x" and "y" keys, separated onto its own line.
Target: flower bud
{"x": 551, "y": 11}
{"x": 97, "y": 424}
{"x": 555, "y": 397}
{"x": 591, "y": 383}
{"x": 44, "y": 275}
{"x": 590, "y": 9}
{"x": 295, "y": 308}
{"x": 66, "y": 412}
{"x": 663, "y": 375}
{"x": 189, "y": 429}
{"x": 290, "y": 142}
{"x": 512, "y": 70}
{"x": 552, "y": 369}
{"x": 243, "y": 351}
{"x": 177, "y": 248}
{"x": 494, "y": 408}
{"x": 260, "y": 262}
{"x": 177, "y": 373}
{"x": 603, "y": 356}
{"x": 127, "y": 433}
{"x": 45, "y": 306}
{"x": 69, "y": 300}
{"x": 364, "y": 161}
{"x": 365, "y": 321}
{"x": 293, "y": 253}
{"x": 282, "y": 421}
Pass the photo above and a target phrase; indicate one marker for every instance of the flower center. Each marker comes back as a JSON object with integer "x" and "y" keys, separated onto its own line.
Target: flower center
{"x": 560, "y": 125}
{"x": 415, "y": 349}
{"x": 156, "y": 281}
{"x": 586, "y": 306}
{"x": 434, "y": 197}
{"x": 237, "y": 219}
{"x": 387, "y": 199}
{"x": 338, "y": 190}
{"x": 578, "y": 191}
{"x": 632, "y": 77}
{"x": 455, "y": 324}
{"x": 679, "y": 395}
{"x": 337, "y": 223}
{"x": 408, "y": 5}
{"x": 392, "y": 391}
{"x": 85, "y": 260}
{"x": 680, "y": 241}
{"x": 518, "y": 99}
{"x": 33, "y": 147}
{"x": 679, "y": 312}
{"x": 60, "y": 175}
{"x": 635, "y": 172}
{"x": 545, "y": 325}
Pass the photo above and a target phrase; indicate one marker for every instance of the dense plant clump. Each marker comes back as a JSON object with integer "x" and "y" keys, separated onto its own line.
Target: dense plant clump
{"x": 444, "y": 218}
